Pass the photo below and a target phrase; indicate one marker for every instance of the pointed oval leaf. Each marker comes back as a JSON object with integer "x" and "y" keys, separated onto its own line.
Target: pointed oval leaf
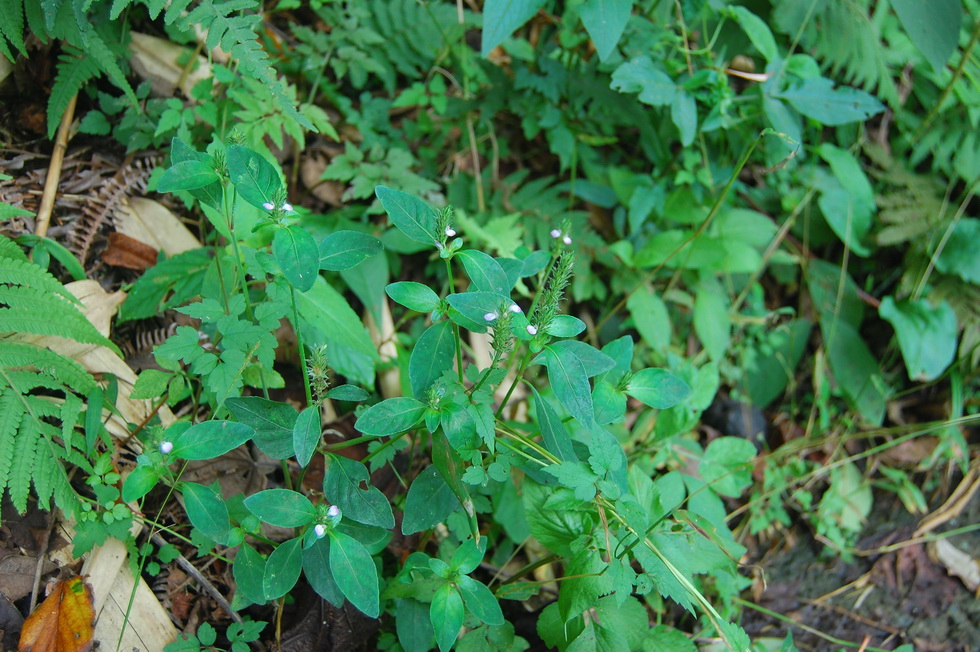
{"x": 430, "y": 501}
{"x": 296, "y": 254}
{"x": 657, "y": 388}
{"x": 281, "y": 507}
{"x": 411, "y": 215}
{"x": 249, "y": 570}
{"x": 282, "y": 568}
{"x": 485, "y": 273}
{"x": 432, "y": 355}
{"x": 446, "y": 615}
{"x": 255, "y": 178}
{"x": 210, "y": 439}
{"x": 470, "y": 308}
{"x": 306, "y": 434}
{"x": 187, "y": 175}
{"x": 605, "y": 21}
{"x": 413, "y": 296}
{"x": 273, "y": 422}
{"x": 207, "y": 511}
{"x": 390, "y": 417}
{"x": 480, "y": 601}
{"x": 316, "y": 567}
{"x": 345, "y": 249}
{"x": 355, "y": 573}
{"x": 570, "y": 382}
{"x": 342, "y": 485}
{"x": 351, "y": 393}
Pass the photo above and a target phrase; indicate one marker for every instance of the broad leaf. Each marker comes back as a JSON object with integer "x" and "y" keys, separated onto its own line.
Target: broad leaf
{"x": 282, "y": 568}
{"x": 210, "y": 439}
{"x": 818, "y": 99}
{"x": 553, "y": 432}
{"x": 933, "y": 27}
{"x": 345, "y": 249}
{"x": 502, "y": 17}
{"x": 355, "y": 573}
{"x": 413, "y": 296}
{"x": 446, "y": 614}
{"x": 307, "y": 434}
{"x": 432, "y": 355}
{"x": 316, "y": 567}
{"x": 486, "y": 274}
{"x": 296, "y": 254}
{"x": 273, "y": 423}
{"x": 207, "y": 511}
{"x": 347, "y": 484}
{"x": 570, "y": 382}
{"x": 255, "y": 179}
{"x": 390, "y": 416}
{"x": 411, "y": 215}
{"x": 926, "y": 334}
{"x": 187, "y": 175}
{"x": 430, "y": 501}
{"x": 639, "y": 75}
{"x": 249, "y": 570}
{"x": 281, "y": 507}
{"x": 657, "y": 388}
{"x": 727, "y": 465}
{"x": 605, "y": 21}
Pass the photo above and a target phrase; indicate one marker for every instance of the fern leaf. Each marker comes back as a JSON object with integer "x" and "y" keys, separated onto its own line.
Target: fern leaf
{"x": 11, "y": 413}
{"x": 20, "y": 354}
{"x": 12, "y": 26}
{"x": 10, "y": 250}
{"x": 19, "y": 271}
{"x": 22, "y": 467}
{"x": 29, "y": 311}
{"x": 74, "y": 70}
{"x": 109, "y": 64}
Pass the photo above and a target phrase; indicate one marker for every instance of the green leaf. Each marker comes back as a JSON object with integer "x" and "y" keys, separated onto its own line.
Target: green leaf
{"x": 480, "y": 601}
{"x": 446, "y": 614}
{"x": 281, "y": 507}
{"x": 565, "y": 326}
{"x": 307, "y": 434}
{"x": 355, "y": 573}
{"x": 605, "y": 21}
{"x": 342, "y": 485}
{"x": 757, "y": 30}
{"x": 411, "y": 215}
{"x": 657, "y": 388}
{"x": 650, "y": 318}
{"x": 316, "y": 566}
{"x": 210, "y": 439}
{"x": 609, "y": 403}
{"x": 555, "y": 529}
{"x": 430, "y": 501}
{"x": 595, "y": 361}
{"x": 640, "y": 75}
{"x": 296, "y": 254}
{"x": 711, "y": 320}
{"x": 249, "y": 570}
{"x": 727, "y": 465}
{"x": 470, "y": 308}
{"x": 140, "y": 482}
{"x": 959, "y": 256}
{"x": 553, "y": 432}
{"x": 207, "y": 511}
{"x": 432, "y": 355}
{"x": 328, "y": 312}
{"x": 769, "y": 366}
{"x": 501, "y": 18}
{"x": 570, "y": 382}
{"x": 273, "y": 423}
{"x": 187, "y": 175}
{"x": 390, "y": 416}
{"x": 933, "y": 27}
{"x": 345, "y": 249}
{"x": 485, "y": 273}
{"x": 282, "y": 568}
{"x": 684, "y": 114}
{"x": 169, "y": 283}
{"x": 849, "y": 204}
{"x": 255, "y": 178}
{"x": 350, "y": 393}
{"x": 926, "y": 334}
{"x": 413, "y": 625}
{"x": 818, "y": 99}
{"x": 413, "y": 296}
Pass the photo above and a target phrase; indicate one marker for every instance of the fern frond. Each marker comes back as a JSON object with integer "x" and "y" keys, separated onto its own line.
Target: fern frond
{"x": 11, "y": 413}
{"x": 29, "y": 311}
{"x": 14, "y": 354}
{"x": 74, "y": 70}
{"x": 22, "y": 467}
{"x": 19, "y": 271}
{"x": 12, "y": 27}
{"x": 109, "y": 64}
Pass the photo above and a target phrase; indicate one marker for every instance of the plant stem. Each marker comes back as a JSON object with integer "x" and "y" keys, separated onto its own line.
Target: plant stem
{"x": 456, "y": 336}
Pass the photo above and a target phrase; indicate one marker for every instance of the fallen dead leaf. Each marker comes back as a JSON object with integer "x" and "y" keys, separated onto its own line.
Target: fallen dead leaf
{"x": 64, "y": 622}
{"x": 958, "y": 563}
{"x": 124, "y": 251}
{"x": 151, "y": 222}
{"x": 159, "y": 60}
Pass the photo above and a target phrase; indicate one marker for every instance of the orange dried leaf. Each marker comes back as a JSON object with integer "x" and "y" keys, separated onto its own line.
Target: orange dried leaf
{"x": 64, "y": 622}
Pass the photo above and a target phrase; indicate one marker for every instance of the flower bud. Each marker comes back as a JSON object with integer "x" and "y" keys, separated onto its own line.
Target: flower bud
{"x": 268, "y": 206}
{"x": 166, "y": 447}
{"x": 333, "y": 512}
{"x": 532, "y": 329}
{"x": 320, "y": 530}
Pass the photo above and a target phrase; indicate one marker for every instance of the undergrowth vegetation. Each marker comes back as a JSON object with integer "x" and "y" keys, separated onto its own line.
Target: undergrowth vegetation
{"x": 534, "y": 307}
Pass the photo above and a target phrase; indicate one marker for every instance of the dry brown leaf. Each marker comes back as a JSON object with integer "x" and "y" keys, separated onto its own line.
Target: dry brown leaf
{"x": 124, "y": 251}
{"x": 65, "y": 621}
{"x": 958, "y": 563}
{"x": 17, "y": 575}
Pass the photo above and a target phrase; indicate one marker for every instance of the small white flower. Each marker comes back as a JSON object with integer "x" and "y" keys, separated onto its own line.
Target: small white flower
{"x": 287, "y": 206}
{"x": 333, "y": 512}
{"x": 320, "y": 529}
{"x": 567, "y": 239}
{"x": 268, "y": 206}
{"x": 450, "y": 231}
{"x": 166, "y": 447}
{"x": 532, "y": 329}
{"x": 555, "y": 233}
{"x": 490, "y": 316}
{"x": 515, "y": 308}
